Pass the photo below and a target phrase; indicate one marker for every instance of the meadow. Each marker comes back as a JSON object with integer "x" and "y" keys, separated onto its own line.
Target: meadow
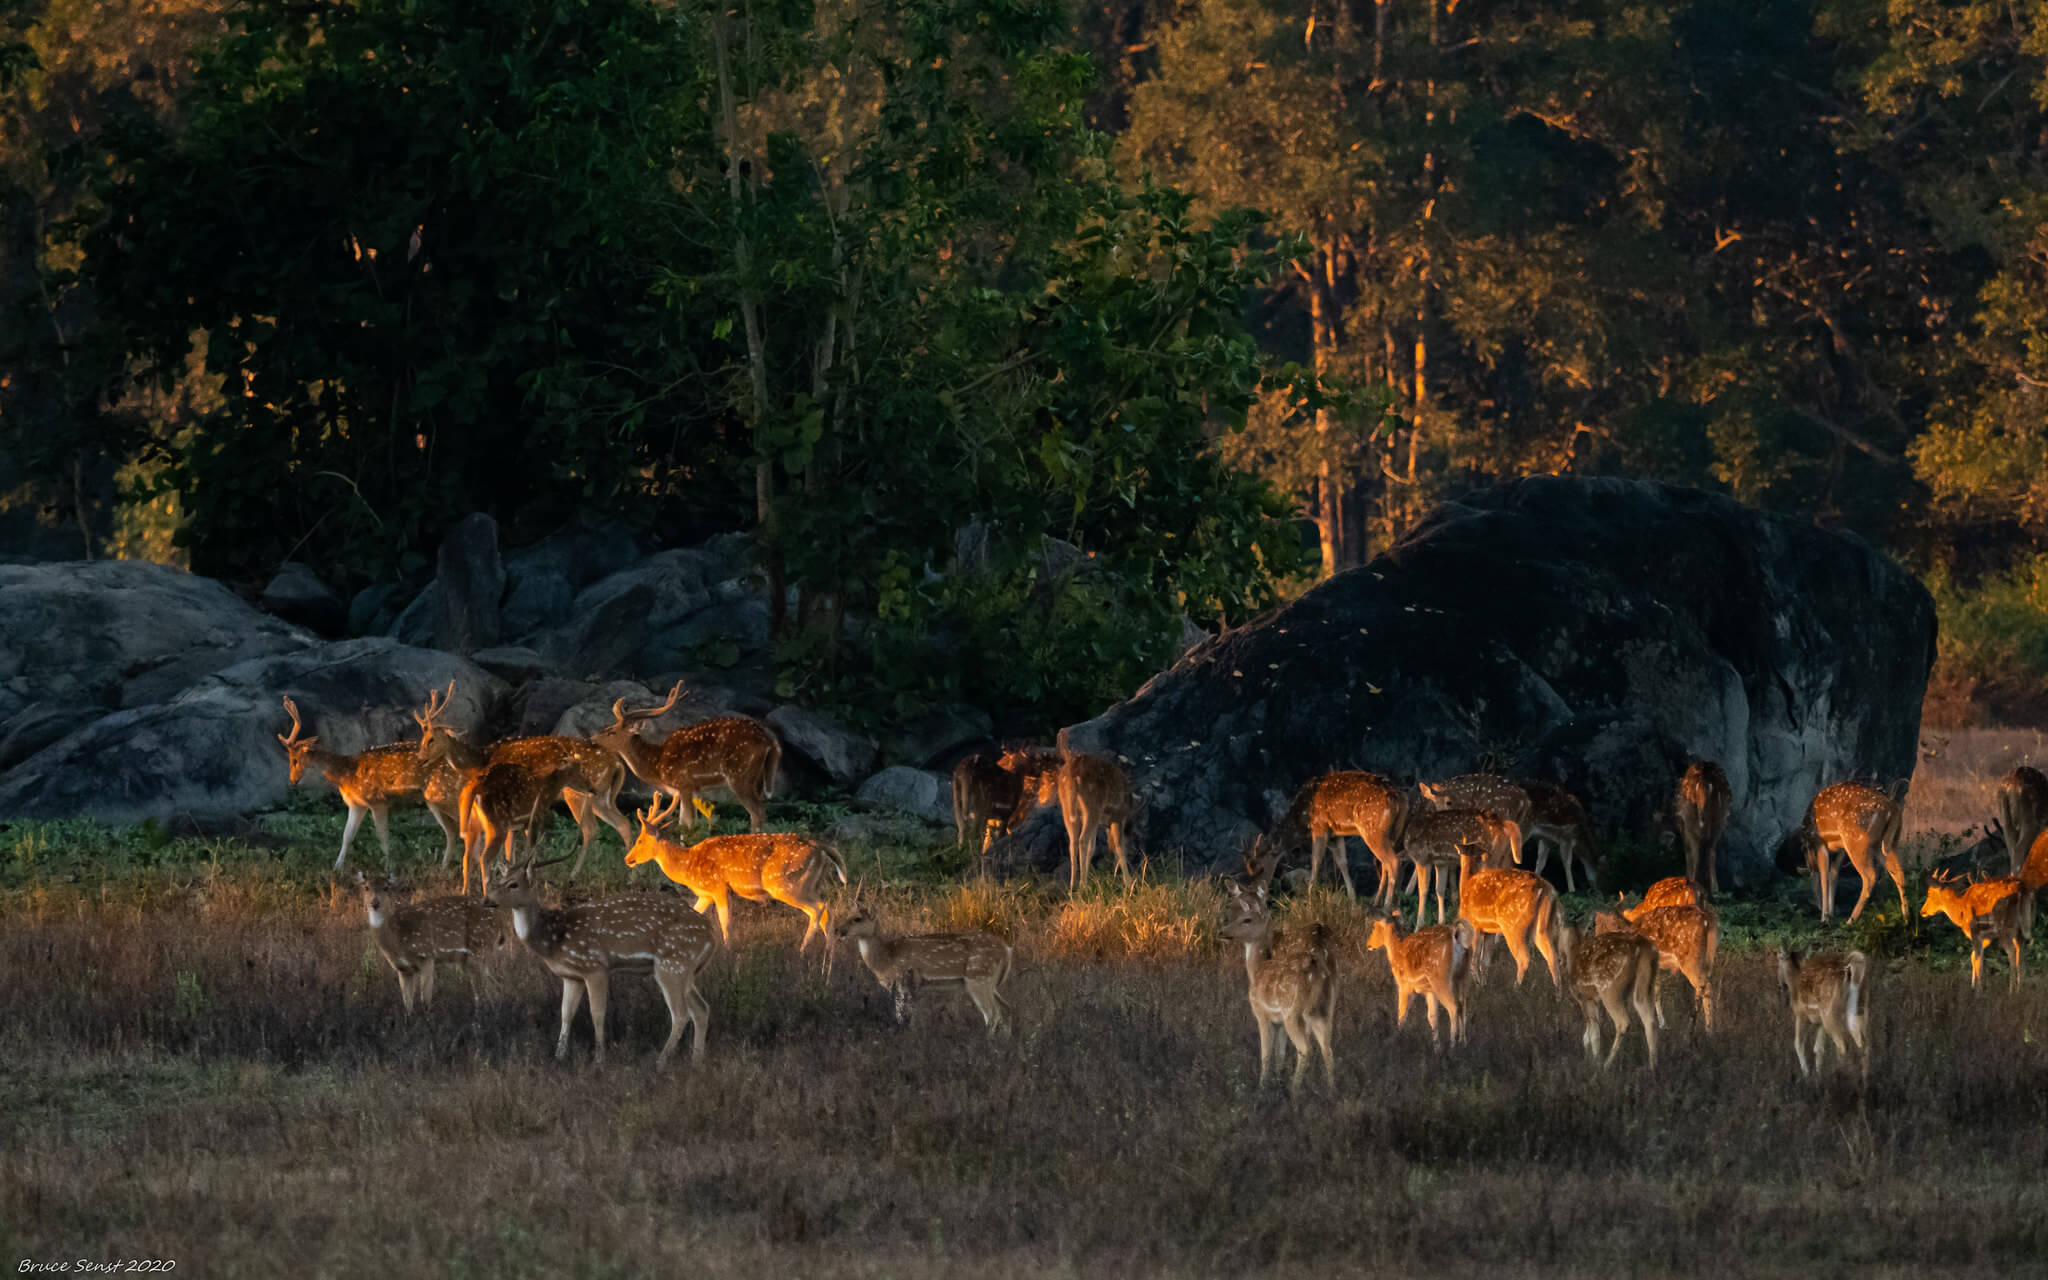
{"x": 206, "y": 1062}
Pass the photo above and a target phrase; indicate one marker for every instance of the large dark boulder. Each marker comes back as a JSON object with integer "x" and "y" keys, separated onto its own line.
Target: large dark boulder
{"x": 470, "y": 578}
{"x": 1592, "y": 631}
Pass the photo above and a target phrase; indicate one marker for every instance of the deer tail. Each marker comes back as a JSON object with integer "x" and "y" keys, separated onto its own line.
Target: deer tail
{"x": 1464, "y": 940}
{"x": 771, "y": 765}
{"x": 1859, "y": 974}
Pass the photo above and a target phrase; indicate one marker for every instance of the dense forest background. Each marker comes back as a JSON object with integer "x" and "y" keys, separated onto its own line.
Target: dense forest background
{"x": 1223, "y": 293}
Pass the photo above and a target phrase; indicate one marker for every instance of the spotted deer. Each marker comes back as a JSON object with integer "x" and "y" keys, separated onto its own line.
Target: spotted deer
{"x": 1702, "y": 807}
{"x": 1828, "y": 990}
{"x": 1291, "y": 981}
{"x": 977, "y": 961}
{"x": 1095, "y": 795}
{"x": 1487, "y": 791}
{"x": 1556, "y": 817}
{"x": 1997, "y": 912}
{"x": 1434, "y": 963}
{"x": 1863, "y": 822}
{"x": 1687, "y": 938}
{"x": 2022, "y": 812}
{"x": 368, "y": 781}
{"x": 1671, "y": 891}
{"x": 985, "y": 795}
{"x": 732, "y": 752}
{"x": 760, "y": 867}
{"x": 1611, "y": 971}
{"x": 1444, "y": 841}
{"x": 2034, "y": 874}
{"x": 1336, "y": 805}
{"x": 584, "y": 945}
{"x": 1520, "y": 907}
{"x": 416, "y": 937}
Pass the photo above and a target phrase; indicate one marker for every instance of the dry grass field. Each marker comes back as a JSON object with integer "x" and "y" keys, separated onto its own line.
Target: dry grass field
{"x": 1959, "y": 772}
{"x": 206, "y": 1061}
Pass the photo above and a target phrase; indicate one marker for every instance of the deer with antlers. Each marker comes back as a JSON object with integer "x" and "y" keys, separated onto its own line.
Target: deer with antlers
{"x": 1687, "y": 937}
{"x": 1444, "y": 841}
{"x": 1095, "y": 795}
{"x": 1336, "y": 805}
{"x": 1557, "y": 817}
{"x": 733, "y": 752}
{"x": 416, "y": 937}
{"x": 1701, "y": 807}
{"x": 1857, "y": 819}
{"x": 1520, "y": 907}
{"x": 584, "y": 945}
{"x": 1291, "y": 981}
{"x": 761, "y": 867}
{"x": 1434, "y": 963}
{"x": 1997, "y": 912}
{"x": 977, "y": 961}
{"x": 2022, "y": 812}
{"x": 1828, "y": 990}
{"x": 1611, "y": 971}
{"x": 368, "y": 781}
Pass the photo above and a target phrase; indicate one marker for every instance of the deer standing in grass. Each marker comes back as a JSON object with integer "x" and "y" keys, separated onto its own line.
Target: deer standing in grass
{"x": 1701, "y": 807}
{"x": 733, "y": 752}
{"x": 1095, "y": 795}
{"x": 1434, "y": 963}
{"x": 368, "y": 781}
{"x": 1291, "y": 980}
{"x": 1827, "y": 990}
{"x": 1863, "y": 822}
{"x": 762, "y": 867}
{"x": 980, "y": 962}
{"x": 1518, "y": 906}
{"x": 1485, "y": 791}
{"x": 985, "y": 795}
{"x": 1687, "y": 938}
{"x": 1446, "y": 840}
{"x": 1671, "y": 891}
{"x": 2022, "y": 812}
{"x": 415, "y": 937}
{"x": 584, "y": 945}
{"x": 1556, "y": 817}
{"x": 1336, "y": 805}
{"x": 1612, "y": 971}
{"x": 1997, "y": 912}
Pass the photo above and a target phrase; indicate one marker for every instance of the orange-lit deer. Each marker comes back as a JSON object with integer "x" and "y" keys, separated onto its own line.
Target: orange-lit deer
{"x": 985, "y": 795}
{"x": 733, "y": 752}
{"x": 977, "y": 961}
{"x": 1434, "y": 963}
{"x": 761, "y": 867}
{"x": 1702, "y": 807}
{"x": 1487, "y": 791}
{"x": 1095, "y": 795}
{"x": 415, "y": 937}
{"x": 1518, "y": 906}
{"x": 368, "y": 781}
{"x": 1336, "y": 805}
{"x": 1611, "y": 971}
{"x": 2022, "y": 812}
{"x": 1863, "y": 822}
{"x": 1829, "y": 991}
{"x": 1556, "y": 817}
{"x": 1996, "y": 912}
{"x": 1446, "y": 840}
{"x": 1671, "y": 891}
{"x": 584, "y": 945}
{"x": 1687, "y": 938}
{"x": 1291, "y": 981}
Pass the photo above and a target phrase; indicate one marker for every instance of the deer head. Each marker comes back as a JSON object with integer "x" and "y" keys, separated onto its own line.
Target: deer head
{"x": 297, "y": 750}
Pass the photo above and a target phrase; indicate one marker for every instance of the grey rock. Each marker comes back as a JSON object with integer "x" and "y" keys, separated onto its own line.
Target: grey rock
{"x": 512, "y": 662}
{"x": 415, "y": 623}
{"x": 539, "y": 705}
{"x": 678, "y": 583}
{"x": 917, "y": 792}
{"x": 542, "y": 580}
{"x": 941, "y": 732}
{"x": 471, "y": 581}
{"x": 373, "y": 611}
{"x": 844, "y": 755}
{"x": 297, "y": 595}
{"x": 604, "y": 638}
{"x": 39, "y": 724}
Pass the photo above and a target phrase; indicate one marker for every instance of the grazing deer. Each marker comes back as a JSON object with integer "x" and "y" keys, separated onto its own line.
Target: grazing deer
{"x": 980, "y": 962}
{"x": 1095, "y": 795}
{"x": 1556, "y": 817}
{"x": 1434, "y": 963}
{"x": 1828, "y": 990}
{"x": 763, "y": 867}
{"x": 1520, "y": 907}
{"x": 1702, "y": 810}
{"x": 368, "y": 781}
{"x": 1444, "y": 840}
{"x": 414, "y": 937}
{"x": 1687, "y": 937}
{"x": 1612, "y": 971}
{"x": 2022, "y": 812}
{"x": 1671, "y": 891}
{"x": 1292, "y": 983}
{"x": 985, "y": 795}
{"x": 1996, "y": 912}
{"x": 586, "y": 944}
{"x": 1336, "y": 805}
{"x": 1859, "y": 820}
{"x": 734, "y": 752}
{"x": 1487, "y": 791}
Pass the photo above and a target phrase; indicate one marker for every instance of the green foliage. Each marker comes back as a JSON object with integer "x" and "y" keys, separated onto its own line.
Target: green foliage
{"x": 1996, "y": 629}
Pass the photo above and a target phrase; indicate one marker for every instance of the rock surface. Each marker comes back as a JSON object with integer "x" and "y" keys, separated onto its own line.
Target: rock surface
{"x": 841, "y": 754}
{"x": 902, "y": 789}
{"x": 1596, "y": 632}
{"x": 296, "y": 594}
{"x": 471, "y": 581}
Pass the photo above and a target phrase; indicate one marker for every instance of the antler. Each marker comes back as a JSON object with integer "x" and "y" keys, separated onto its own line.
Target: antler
{"x": 653, "y": 816}
{"x": 436, "y": 704}
{"x": 622, "y": 717}
{"x": 293, "y": 709}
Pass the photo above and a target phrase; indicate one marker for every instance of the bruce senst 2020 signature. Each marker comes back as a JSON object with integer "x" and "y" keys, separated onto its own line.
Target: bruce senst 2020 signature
{"x": 86, "y": 1266}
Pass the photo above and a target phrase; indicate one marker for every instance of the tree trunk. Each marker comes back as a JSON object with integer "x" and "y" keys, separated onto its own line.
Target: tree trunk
{"x": 1329, "y": 482}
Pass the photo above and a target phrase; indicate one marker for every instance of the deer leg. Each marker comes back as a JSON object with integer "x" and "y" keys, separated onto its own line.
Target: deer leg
{"x": 1898, "y": 875}
{"x": 426, "y": 984}
{"x": 1518, "y": 947}
{"x": 2014, "y": 942}
{"x": 348, "y": 831}
{"x": 1320, "y": 1028}
{"x": 572, "y": 1000}
{"x": 1643, "y": 1003}
{"x": 1976, "y": 965}
{"x": 1617, "y": 1013}
{"x": 984, "y": 997}
{"x": 1342, "y": 856}
{"x": 1869, "y": 875}
{"x": 1568, "y": 852}
{"x": 1421, "y": 891}
{"x": 579, "y": 803}
{"x": 1542, "y": 844}
{"x": 1799, "y": 1046}
{"x": 599, "y": 983}
{"x": 405, "y": 993}
{"x": 1549, "y": 954}
{"x": 1116, "y": 844}
{"x": 1265, "y": 1046}
{"x": 757, "y": 810}
{"x": 723, "y": 901}
{"x": 1318, "y": 841}
{"x": 1297, "y": 1035}
{"x": 380, "y": 816}
{"x": 449, "y": 830}
{"x": 1430, "y": 1005}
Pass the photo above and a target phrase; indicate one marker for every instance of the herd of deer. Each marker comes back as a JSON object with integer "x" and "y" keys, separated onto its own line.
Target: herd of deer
{"x": 486, "y": 799}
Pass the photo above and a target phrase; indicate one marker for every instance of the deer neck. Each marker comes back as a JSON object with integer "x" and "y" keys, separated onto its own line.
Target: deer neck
{"x": 462, "y": 755}
{"x": 1257, "y": 949}
{"x": 638, "y": 754}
